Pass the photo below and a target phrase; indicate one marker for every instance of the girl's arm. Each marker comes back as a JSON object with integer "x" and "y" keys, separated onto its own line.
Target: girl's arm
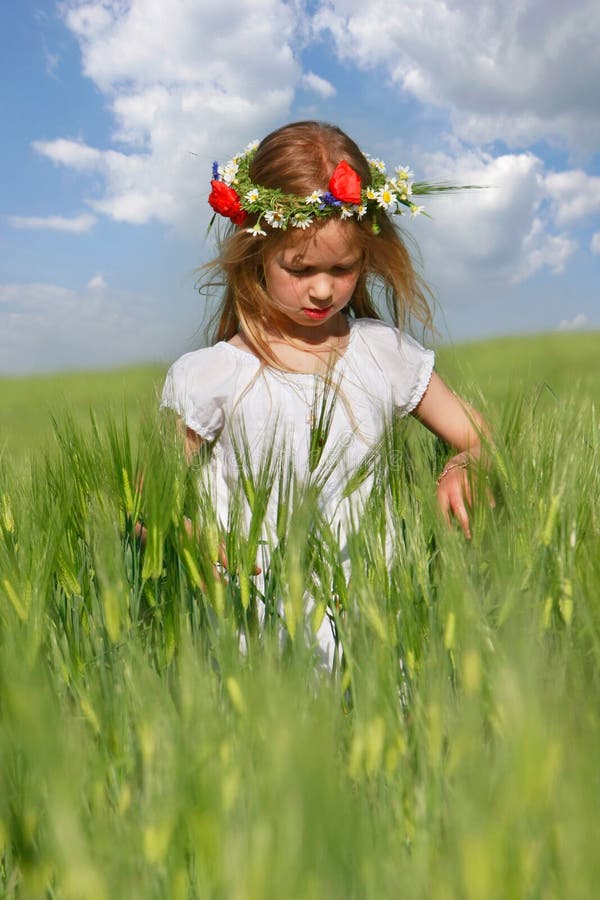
{"x": 453, "y": 420}
{"x": 191, "y": 446}
{"x": 192, "y": 441}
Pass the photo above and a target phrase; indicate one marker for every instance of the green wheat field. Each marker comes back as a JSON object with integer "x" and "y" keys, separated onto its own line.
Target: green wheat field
{"x": 146, "y": 751}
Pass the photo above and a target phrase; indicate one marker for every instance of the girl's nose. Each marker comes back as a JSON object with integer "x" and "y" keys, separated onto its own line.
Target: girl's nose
{"x": 321, "y": 286}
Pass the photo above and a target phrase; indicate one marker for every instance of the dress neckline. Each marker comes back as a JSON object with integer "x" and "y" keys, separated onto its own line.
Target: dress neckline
{"x": 286, "y": 373}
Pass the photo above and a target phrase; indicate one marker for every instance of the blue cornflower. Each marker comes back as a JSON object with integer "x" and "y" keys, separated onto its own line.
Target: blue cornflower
{"x": 215, "y": 171}
{"x": 329, "y": 200}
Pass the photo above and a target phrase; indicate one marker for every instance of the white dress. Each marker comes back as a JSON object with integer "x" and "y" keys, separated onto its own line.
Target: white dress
{"x": 226, "y": 396}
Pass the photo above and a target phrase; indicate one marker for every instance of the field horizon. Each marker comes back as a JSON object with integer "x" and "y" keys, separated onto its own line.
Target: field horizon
{"x": 442, "y": 345}
{"x": 28, "y": 403}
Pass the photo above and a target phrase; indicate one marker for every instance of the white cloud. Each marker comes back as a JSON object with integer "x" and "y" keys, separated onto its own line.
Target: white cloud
{"x": 319, "y": 85}
{"x": 234, "y": 43}
{"x": 503, "y": 70}
{"x": 77, "y": 225}
{"x": 577, "y": 322}
{"x": 134, "y": 193}
{"x": 187, "y": 83}
{"x": 50, "y": 326}
{"x": 97, "y": 283}
{"x": 543, "y": 250}
{"x": 52, "y": 61}
{"x": 71, "y": 153}
{"x": 575, "y": 194}
{"x": 595, "y": 244}
{"x": 479, "y": 239}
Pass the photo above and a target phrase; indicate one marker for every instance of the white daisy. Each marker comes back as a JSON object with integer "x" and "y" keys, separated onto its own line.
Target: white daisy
{"x": 347, "y": 211}
{"x": 371, "y": 194}
{"x": 250, "y": 147}
{"x": 256, "y": 231}
{"x": 252, "y": 195}
{"x": 386, "y": 197}
{"x": 416, "y": 210}
{"x": 302, "y": 221}
{"x": 274, "y": 218}
{"x": 377, "y": 164}
{"x": 361, "y": 211}
{"x": 405, "y": 188}
{"x": 228, "y": 172}
{"x": 315, "y": 197}
{"x": 404, "y": 173}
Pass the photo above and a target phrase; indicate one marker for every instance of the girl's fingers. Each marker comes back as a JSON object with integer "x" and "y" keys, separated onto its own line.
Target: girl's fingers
{"x": 223, "y": 555}
{"x": 461, "y": 514}
{"x": 453, "y": 490}
{"x": 141, "y": 533}
{"x": 467, "y": 491}
{"x": 454, "y": 506}
{"x": 222, "y": 563}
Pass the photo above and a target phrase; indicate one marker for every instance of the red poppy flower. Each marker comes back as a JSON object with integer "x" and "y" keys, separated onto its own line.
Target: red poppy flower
{"x": 226, "y": 202}
{"x": 345, "y": 183}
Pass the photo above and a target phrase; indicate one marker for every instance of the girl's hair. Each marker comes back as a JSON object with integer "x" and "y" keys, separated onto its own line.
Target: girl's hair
{"x": 298, "y": 159}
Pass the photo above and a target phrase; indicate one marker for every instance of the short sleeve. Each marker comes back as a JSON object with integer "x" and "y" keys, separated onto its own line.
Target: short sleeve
{"x": 411, "y": 378}
{"x": 404, "y": 364}
{"x": 198, "y": 386}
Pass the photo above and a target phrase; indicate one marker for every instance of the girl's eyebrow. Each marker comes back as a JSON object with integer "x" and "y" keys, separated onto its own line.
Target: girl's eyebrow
{"x": 301, "y": 262}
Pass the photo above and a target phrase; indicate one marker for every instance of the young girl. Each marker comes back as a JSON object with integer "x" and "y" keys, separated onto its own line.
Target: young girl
{"x": 302, "y": 365}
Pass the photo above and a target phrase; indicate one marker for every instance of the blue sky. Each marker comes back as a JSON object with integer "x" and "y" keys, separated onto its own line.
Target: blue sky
{"x": 113, "y": 111}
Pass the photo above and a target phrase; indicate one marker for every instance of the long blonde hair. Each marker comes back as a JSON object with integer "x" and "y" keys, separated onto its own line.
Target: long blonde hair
{"x": 298, "y": 159}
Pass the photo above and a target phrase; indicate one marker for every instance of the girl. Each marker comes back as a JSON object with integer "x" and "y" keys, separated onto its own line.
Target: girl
{"x": 302, "y": 366}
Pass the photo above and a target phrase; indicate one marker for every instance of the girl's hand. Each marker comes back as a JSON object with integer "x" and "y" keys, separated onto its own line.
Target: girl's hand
{"x": 454, "y": 491}
{"x": 458, "y": 424}
{"x": 141, "y": 533}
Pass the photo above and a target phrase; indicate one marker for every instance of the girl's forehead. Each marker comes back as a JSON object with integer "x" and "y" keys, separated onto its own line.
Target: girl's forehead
{"x": 332, "y": 240}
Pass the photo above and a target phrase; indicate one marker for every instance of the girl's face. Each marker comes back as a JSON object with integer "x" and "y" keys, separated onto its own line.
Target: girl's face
{"x": 312, "y": 277}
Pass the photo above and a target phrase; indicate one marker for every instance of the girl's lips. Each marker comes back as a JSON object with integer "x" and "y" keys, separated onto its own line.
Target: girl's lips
{"x": 316, "y": 313}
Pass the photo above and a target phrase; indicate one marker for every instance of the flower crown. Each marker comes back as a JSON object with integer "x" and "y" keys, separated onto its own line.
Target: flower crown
{"x": 235, "y": 196}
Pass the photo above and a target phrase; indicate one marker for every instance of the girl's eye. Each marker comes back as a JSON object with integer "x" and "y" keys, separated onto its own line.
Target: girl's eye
{"x": 336, "y": 270}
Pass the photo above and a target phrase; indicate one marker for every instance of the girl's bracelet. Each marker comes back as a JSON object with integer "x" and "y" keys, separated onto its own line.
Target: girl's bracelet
{"x": 448, "y": 468}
